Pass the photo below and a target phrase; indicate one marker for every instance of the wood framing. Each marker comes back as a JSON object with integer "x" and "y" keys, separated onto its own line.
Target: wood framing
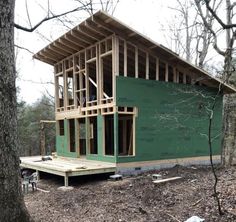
{"x": 116, "y": 91}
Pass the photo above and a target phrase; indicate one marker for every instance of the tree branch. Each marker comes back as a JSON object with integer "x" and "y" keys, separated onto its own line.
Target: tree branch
{"x": 20, "y": 47}
{"x": 88, "y": 6}
{"x": 233, "y": 5}
{"x": 216, "y": 194}
{"x": 27, "y": 12}
{"x": 46, "y": 19}
{"x": 215, "y": 45}
{"x": 224, "y": 26}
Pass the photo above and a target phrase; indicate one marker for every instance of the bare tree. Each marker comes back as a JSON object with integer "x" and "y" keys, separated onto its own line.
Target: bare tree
{"x": 229, "y": 103}
{"x": 93, "y": 5}
{"x": 188, "y": 35}
{"x": 12, "y": 205}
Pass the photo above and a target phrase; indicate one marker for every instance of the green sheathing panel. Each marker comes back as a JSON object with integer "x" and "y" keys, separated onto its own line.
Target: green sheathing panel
{"x": 63, "y": 143}
{"x": 100, "y": 156}
{"x": 172, "y": 119}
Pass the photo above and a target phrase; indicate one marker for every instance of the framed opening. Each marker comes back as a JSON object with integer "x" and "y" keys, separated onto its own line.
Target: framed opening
{"x": 188, "y": 79}
{"x": 80, "y": 89}
{"x": 170, "y": 74}
{"x": 141, "y": 64}
{"x": 107, "y": 76}
{"x": 82, "y": 60}
{"x": 72, "y": 134}
{"x": 61, "y": 128}
{"x": 130, "y": 60}
{"x": 81, "y": 136}
{"x": 91, "y": 67}
{"x": 80, "y": 80}
{"x": 109, "y": 134}
{"x": 125, "y": 135}
{"x": 92, "y": 135}
{"x": 162, "y": 71}
{"x": 152, "y": 68}
{"x": 70, "y": 88}
{"x": 121, "y": 58}
{"x": 60, "y": 91}
{"x": 181, "y": 77}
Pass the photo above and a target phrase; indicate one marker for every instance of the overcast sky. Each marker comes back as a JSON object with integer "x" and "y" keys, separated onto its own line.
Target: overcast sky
{"x": 146, "y": 16}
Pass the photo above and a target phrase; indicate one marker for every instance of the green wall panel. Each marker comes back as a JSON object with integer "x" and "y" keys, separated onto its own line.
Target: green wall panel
{"x": 172, "y": 119}
{"x": 62, "y": 143}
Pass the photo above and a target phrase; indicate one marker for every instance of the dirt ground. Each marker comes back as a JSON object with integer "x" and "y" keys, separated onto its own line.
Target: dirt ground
{"x": 137, "y": 198}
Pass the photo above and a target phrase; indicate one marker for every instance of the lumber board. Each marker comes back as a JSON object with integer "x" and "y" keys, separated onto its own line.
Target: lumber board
{"x": 166, "y": 180}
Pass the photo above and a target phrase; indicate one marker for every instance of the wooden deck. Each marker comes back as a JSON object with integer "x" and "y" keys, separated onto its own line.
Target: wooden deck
{"x": 67, "y": 167}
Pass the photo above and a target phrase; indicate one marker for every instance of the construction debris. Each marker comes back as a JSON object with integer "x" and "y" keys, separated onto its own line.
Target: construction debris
{"x": 42, "y": 190}
{"x": 195, "y": 219}
{"x": 116, "y": 177}
{"x": 166, "y": 180}
{"x": 156, "y": 176}
{"x": 65, "y": 188}
{"x": 46, "y": 158}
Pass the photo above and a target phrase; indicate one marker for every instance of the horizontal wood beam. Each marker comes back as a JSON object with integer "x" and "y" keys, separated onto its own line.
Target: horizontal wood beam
{"x": 47, "y": 55}
{"x": 58, "y": 50}
{"x": 76, "y": 41}
{"x": 95, "y": 35}
{"x": 81, "y": 37}
{"x": 97, "y": 29}
{"x": 56, "y": 55}
{"x": 64, "y": 47}
{"x": 70, "y": 44}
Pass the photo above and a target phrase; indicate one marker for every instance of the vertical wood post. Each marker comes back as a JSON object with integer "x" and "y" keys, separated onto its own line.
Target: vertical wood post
{"x": 166, "y": 72}
{"x": 56, "y": 93}
{"x": 86, "y": 79}
{"x": 98, "y": 74}
{"x": 147, "y": 65}
{"x": 125, "y": 58}
{"x": 136, "y": 62}
{"x": 157, "y": 69}
{"x": 115, "y": 64}
{"x": 174, "y": 74}
{"x": 177, "y": 75}
{"x": 74, "y": 83}
{"x": 64, "y": 85}
{"x": 42, "y": 139}
{"x": 184, "y": 77}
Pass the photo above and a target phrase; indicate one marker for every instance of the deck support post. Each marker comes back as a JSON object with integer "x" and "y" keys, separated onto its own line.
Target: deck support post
{"x": 66, "y": 180}
{"x": 38, "y": 175}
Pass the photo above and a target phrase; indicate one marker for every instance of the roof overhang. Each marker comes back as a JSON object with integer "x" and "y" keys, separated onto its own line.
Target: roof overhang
{"x": 102, "y": 25}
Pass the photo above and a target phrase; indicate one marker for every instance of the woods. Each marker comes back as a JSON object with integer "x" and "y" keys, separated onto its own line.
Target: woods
{"x": 29, "y": 130}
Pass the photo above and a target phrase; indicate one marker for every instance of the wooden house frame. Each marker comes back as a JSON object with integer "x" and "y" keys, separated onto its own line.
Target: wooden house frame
{"x": 91, "y": 62}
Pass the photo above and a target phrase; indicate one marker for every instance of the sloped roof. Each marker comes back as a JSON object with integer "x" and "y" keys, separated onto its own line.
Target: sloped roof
{"x": 102, "y": 25}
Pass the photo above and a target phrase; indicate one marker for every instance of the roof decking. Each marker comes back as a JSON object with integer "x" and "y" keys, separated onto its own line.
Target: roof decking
{"x": 102, "y": 25}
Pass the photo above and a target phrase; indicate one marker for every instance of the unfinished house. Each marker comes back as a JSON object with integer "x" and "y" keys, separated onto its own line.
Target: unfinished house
{"x": 124, "y": 99}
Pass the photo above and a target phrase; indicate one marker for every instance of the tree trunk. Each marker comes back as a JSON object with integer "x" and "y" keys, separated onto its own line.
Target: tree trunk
{"x": 229, "y": 102}
{"x": 228, "y": 157}
{"x": 229, "y": 129}
{"x": 12, "y": 207}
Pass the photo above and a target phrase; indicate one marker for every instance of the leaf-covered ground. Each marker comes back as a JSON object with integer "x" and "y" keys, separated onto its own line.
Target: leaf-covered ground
{"x": 136, "y": 198}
